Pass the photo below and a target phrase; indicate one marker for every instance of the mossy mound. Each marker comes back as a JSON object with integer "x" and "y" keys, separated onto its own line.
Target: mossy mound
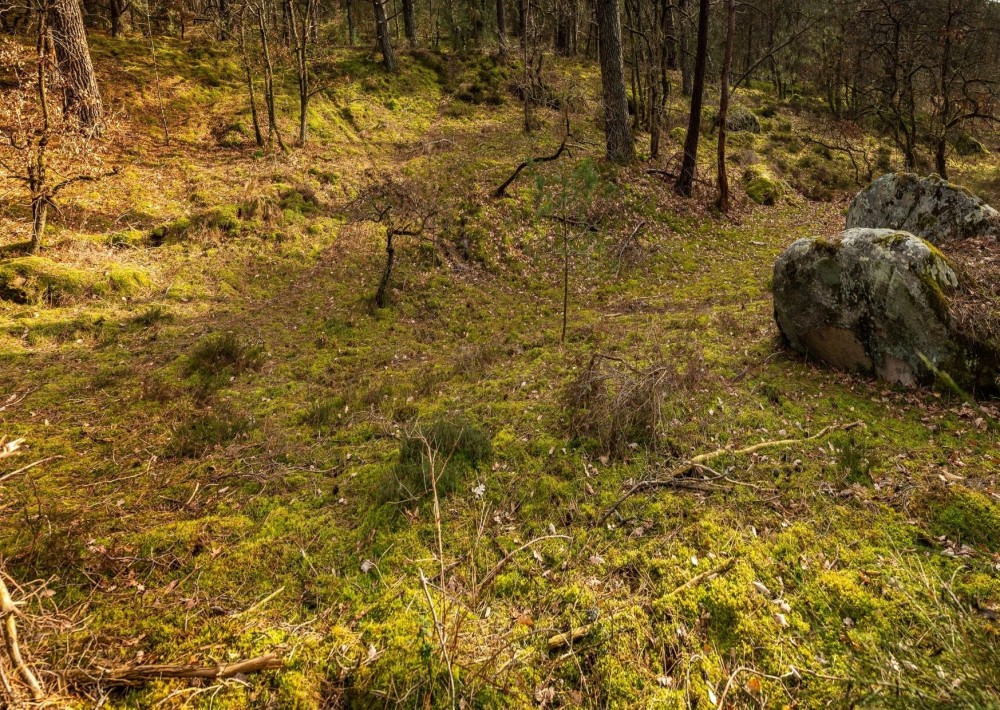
{"x": 742, "y": 120}
{"x": 36, "y": 279}
{"x": 128, "y": 279}
{"x": 761, "y": 186}
{"x": 967, "y": 145}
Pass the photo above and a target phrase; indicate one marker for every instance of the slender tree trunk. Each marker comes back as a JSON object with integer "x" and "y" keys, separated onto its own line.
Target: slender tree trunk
{"x": 382, "y": 294}
{"x": 410, "y": 23}
{"x": 727, "y": 63}
{"x": 349, "y": 6}
{"x": 38, "y": 168}
{"x": 272, "y": 118}
{"x": 616, "y": 129}
{"x": 81, "y": 98}
{"x": 684, "y": 41}
{"x": 382, "y": 33}
{"x": 503, "y": 46}
{"x": 258, "y": 135}
{"x": 685, "y": 181}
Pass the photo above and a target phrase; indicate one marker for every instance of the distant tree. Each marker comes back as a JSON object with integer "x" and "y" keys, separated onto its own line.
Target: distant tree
{"x": 685, "y": 180}
{"x": 727, "y": 63}
{"x": 618, "y": 135}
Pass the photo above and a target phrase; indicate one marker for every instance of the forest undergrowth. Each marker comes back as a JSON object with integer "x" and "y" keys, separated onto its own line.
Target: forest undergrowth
{"x": 225, "y": 450}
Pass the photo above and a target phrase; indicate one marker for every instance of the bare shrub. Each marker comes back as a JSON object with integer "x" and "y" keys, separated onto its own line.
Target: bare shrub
{"x": 619, "y": 406}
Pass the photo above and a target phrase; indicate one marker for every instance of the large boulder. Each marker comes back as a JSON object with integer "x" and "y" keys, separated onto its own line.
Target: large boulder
{"x": 876, "y": 301}
{"x": 929, "y": 207}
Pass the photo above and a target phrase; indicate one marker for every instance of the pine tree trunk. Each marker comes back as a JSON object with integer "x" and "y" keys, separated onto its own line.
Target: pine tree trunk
{"x": 410, "y": 23}
{"x": 616, "y": 128}
{"x": 81, "y": 98}
{"x": 684, "y": 42}
{"x": 685, "y": 181}
{"x": 384, "y": 39}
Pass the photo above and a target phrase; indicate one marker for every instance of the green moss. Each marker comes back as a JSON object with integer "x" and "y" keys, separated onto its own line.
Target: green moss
{"x": 128, "y": 279}
{"x": 970, "y": 517}
{"x": 761, "y": 186}
{"x": 37, "y": 279}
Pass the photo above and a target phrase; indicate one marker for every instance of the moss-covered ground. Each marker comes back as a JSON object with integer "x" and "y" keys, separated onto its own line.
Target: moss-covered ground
{"x": 231, "y": 434}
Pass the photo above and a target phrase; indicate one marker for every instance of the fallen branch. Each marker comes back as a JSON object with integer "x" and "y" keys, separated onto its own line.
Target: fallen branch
{"x": 502, "y": 190}
{"x": 567, "y": 638}
{"x": 8, "y": 611}
{"x": 700, "y": 459}
{"x": 488, "y": 579}
{"x": 29, "y": 466}
{"x": 137, "y": 675}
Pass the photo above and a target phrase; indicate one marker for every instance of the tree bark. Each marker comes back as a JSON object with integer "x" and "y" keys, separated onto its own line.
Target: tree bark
{"x": 727, "y": 63}
{"x": 81, "y": 98}
{"x": 617, "y": 134}
{"x": 382, "y": 33}
{"x": 410, "y": 23}
{"x": 685, "y": 181}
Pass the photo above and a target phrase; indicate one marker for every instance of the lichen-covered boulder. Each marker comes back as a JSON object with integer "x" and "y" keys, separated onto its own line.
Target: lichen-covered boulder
{"x": 874, "y": 301}
{"x": 929, "y": 207}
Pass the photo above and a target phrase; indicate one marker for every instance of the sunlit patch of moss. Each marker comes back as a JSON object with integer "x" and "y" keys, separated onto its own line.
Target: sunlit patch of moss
{"x": 969, "y": 517}
{"x": 38, "y": 279}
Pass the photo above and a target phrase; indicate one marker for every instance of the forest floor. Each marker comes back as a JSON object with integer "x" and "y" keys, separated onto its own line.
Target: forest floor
{"x": 228, "y": 432}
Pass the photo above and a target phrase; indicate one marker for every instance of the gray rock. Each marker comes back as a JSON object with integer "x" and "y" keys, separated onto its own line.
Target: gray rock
{"x": 874, "y": 301}
{"x": 929, "y": 207}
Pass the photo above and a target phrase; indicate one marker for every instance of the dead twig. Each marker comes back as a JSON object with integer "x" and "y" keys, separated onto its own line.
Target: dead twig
{"x": 8, "y": 611}
{"x": 502, "y": 190}
{"x": 700, "y": 459}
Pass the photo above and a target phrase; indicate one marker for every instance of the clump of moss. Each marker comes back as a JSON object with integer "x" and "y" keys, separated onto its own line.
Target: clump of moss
{"x": 300, "y": 199}
{"x": 223, "y": 218}
{"x": 970, "y": 517}
{"x": 455, "y": 443}
{"x": 128, "y": 239}
{"x": 761, "y": 186}
{"x": 323, "y": 413}
{"x": 219, "y": 357}
{"x": 128, "y": 279}
{"x": 740, "y": 119}
{"x": 203, "y": 433}
{"x": 36, "y": 279}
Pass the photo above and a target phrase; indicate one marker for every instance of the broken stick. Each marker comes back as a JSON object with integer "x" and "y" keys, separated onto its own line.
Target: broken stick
{"x": 8, "y": 611}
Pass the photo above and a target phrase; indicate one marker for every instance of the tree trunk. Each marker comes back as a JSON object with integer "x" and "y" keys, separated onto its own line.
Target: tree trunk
{"x": 81, "y": 98}
{"x": 382, "y": 33}
{"x": 348, "y": 5}
{"x": 727, "y": 63}
{"x": 616, "y": 129}
{"x": 685, "y": 181}
{"x": 117, "y": 9}
{"x": 410, "y": 23}
{"x": 684, "y": 41}
{"x": 502, "y": 45}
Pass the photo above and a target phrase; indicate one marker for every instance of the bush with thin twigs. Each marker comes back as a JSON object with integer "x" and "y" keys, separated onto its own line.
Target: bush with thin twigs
{"x": 618, "y": 405}
{"x": 458, "y": 445}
